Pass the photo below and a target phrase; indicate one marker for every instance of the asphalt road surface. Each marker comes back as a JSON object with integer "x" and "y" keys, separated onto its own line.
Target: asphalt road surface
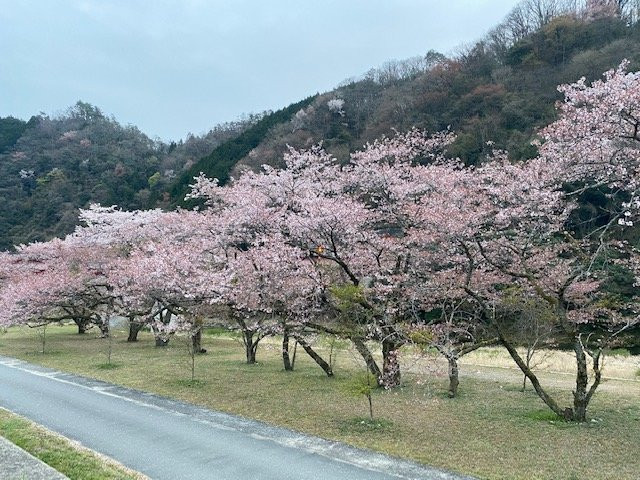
{"x": 172, "y": 440}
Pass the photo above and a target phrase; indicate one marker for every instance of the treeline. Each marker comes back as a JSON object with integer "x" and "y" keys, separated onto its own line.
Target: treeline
{"x": 219, "y": 163}
{"x": 500, "y": 89}
{"x": 11, "y": 129}
{"x": 52, "y": 166}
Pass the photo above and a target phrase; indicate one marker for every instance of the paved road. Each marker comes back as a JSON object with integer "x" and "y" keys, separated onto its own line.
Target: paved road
{"x": 166, "y": 439}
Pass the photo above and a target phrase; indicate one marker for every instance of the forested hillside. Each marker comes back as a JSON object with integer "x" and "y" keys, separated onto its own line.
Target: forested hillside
{"x": 219, "y": 163}
{"x": 51, "y": 166}
{"x": 495, "y": 93}
{"x": 497, "y": 90}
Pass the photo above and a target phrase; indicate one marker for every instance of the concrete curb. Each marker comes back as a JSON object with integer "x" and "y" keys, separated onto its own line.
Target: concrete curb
{"x": 17, "y": 464}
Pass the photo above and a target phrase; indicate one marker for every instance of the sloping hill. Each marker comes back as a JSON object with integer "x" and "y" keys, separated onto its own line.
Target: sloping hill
{"x": 50, "y": 167}
{"x": 492, "y": 91}
{"x": 219, "y": 163}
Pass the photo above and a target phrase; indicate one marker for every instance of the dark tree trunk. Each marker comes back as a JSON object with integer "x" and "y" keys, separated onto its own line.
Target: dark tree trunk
{"x": 364, "y": 351}
{"x": 390, "y": 364}
{"x": 104, "y": 328}
{"x": 251, "y": 353}
{"x": 295, "y": 351}
{"x": 453, "y": 377}
{"x": 582, "y": 394}
{"x": 83, "y": 325}
{"x": 250, "y": 345}
{"x": 317, "y": 358}
{"x": 453, "y": 355}
{"x": 134, "y": 329}
{"x": 582, "y": 380}
{"x": 566, "y": 413}
{"x": 527, "y": 360}
{"x": 197, "y": 342}
{"x": 285, "y": 352}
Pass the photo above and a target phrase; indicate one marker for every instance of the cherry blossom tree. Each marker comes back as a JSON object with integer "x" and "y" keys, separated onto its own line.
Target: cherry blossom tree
{"x": 594, "y": 143}
{"x": 352, "y": 220}
{"x": 274, "y": 284}
{"x": 55, "y": 281}
{"x": 172, "y": 278}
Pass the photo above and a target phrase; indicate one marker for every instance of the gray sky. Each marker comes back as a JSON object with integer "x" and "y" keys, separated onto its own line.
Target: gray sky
{"x": 172, "y": 67}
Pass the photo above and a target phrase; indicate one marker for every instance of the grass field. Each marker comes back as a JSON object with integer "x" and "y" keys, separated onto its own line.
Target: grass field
{"x": 492, "y": 430}
{"x": 75, "y": 462}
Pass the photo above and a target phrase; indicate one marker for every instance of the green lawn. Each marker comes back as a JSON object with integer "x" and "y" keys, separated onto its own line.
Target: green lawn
{"x": 75, "y": 462}
{"x": 492, "y": 430}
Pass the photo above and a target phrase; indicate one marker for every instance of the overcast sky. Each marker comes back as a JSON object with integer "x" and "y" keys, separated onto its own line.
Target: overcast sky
{"x": 178, "y": 66}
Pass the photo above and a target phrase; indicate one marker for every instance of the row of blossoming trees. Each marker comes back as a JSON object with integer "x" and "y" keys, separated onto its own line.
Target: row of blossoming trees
{"x": 401, "y": 244}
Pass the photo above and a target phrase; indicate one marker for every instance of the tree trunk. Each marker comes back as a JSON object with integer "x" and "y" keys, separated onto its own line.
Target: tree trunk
{"x": 527, "y": 359}
{"x": 317, "y": 358}
{"x": 165, "y": 319}
{"x": 295, "y": 351}
{"x": 453, "y": 376}
{"x": 582, "y": 396}
{"x": 250, "y": 346}
{"x": 597, "y": 370}
{"x": 134, "y": 328}
{"x": 83, "y": 325}
{"x": 104, "y": 328}
{"x": 390, "y": 364}
{"x": 364, "y": 351}
{"x": 285, "y": 352}
{"x": 44, "y": 338}
{"x": 582, "y": 380}
{"x": 566, "y": 413}
{"x": 196, "y": 340}
{"x": 251, "y": 353}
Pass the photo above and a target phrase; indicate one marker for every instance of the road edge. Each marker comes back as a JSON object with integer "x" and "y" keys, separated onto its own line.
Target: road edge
{"x": 73, "y": 444}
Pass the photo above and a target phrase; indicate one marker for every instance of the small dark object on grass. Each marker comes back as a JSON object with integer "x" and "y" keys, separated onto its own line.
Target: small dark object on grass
{"x": 191, "y": 383}
{"x": 108, "y": 366}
